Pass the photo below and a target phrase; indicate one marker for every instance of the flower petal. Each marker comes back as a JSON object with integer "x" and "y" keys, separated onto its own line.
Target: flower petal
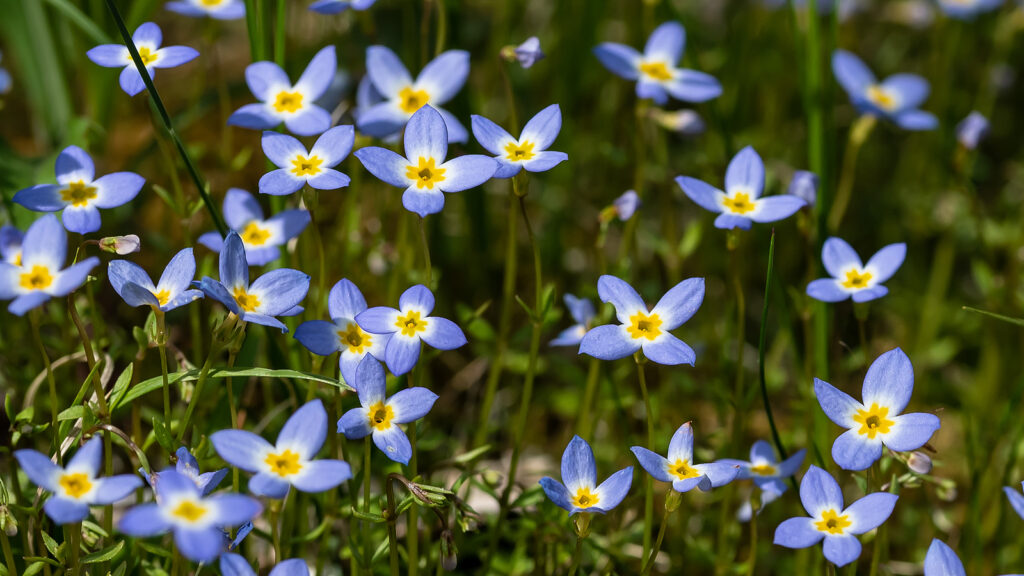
{"x": 544, "y": 161}
{"x": 719, "y": 473}
{"x": 401, "y": 354}
{"x": 370, "y": 382}
{"x": 65, "y": 510}
{"x": 855, "y": 451}
{"x": 202, "y": 545}
{"x": 386, "y": 71}
{"x": 608, "y": 342}
{"x": 579, "y": 470}
{"x": 886, "y": 262}
{"x": 45, "y": 243}
{"x": 281, "y": 149}
{"x": 114, "y": 488}
{"x": 265, "y": 79}
{"x": 41, "y": 198}
{"x": 916, "y": 120}
{"x": 841, "y": 550}
{"x": 619, "y": 59}
{"x": 173, "y": 56}
{"x": 241, "y": 449}
{"x": 394, "y": 444}
{"x": 385, "y": 165}
{"x": 889, "y": 381}
{"x": 911, "y": 90}
{"x": 666, "y": 43}
{"x": 149, "y": 34}
{"x": 543, "y": 128}
{"x": 109, "y": 55}
{"x": 745, "y": 173}
{"x": 774, "y": 208}
{"x": 121, "y": 272}
{"x": 727, "y": 221}
{"x": 680, "y": 303}
{"x": 143, "y": 520}
{"x": 355, "y": 424}
{"x": 1016, "y": 500}
{"x": 117, "y": 189}
{"x": 444, "y": 76}
{"x": 305, "y": 430}
{"x": 179, "y": 273}
{"x": 345, "y": 300}
{"x": 457, "y": 133}
{"x": 870, "y": 511}
{"x": 269, "y": 485}
{"x": 693, "y": 86}
{"x": 381, "y": 120}
{"x": 557, "y": 493}
{"x": 827, "y": 290}
{"x": 309, "y": 121}
{"x": 492, "y": 137}
{"x": 612, "y": 491}
{"x": 426, "y": 136}
{"x": 319, "y": 74}
{"x": 411, "y": 404}
{"x": 655, "y": 464}
{"x": 668, "y": 350}
{"x": 443, "y": 334}
{"x": 851, "y": 72}
{"x": 319, "y": 337}
{"x": 322, "y": 475}
{"x": 819, "y": 491}
{"x": 798, "y": 533}
{"x": 83, "y": 220}
{"x": 837, "y": 405}
{"x": 620, "y": 294}
{"x": 705, "y": 195}
{"x": 88, "y": 458}
{"x": 254, "y": 117}
{"x": 941, "y": 560}
{"x": 39, "y": 469}
{"x": 467, "y": 172}
{"x": 292, "y": 567}
{"x": 131, "y": 81}
{"x": 234, "y": 270}
{"x": 911, "y": 431}
{"x": 422, "y": 202}
{"x": 378, "y": 320}
{"x": 335, "y": 144}
{"x": 680, "y": 447}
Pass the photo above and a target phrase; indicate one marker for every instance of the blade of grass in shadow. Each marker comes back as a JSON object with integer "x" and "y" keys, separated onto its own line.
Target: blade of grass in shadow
{"x": 1011, "y": 320}
{"x": 79, "y": 19}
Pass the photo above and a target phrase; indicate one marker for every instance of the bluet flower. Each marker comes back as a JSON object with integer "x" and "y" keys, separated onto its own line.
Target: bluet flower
{"x": 147, "y": 39}
{"x": 409, "y": 325}
{"x": 75, "y": 487}
{"x": 235, "y": 565}
{"x": 188, "y": 466}
{"x": 1016, "y": 499}
{"x": 276, "y": 293}
{"x": 766, "y": 471}
{"x": 850, "y": 278}
{"x": 530, "y": 150}
{"x": 380, "y": 416}
{"x": 941, "y": 560}
{"x": 339, "y": 6}
{"x": 641, "y": 329}
{"x": 685, "y": 122}
{"x": 281, "y": 101}
{"x": 896, "y": 98}
{"x": 40, "y": 275}
{"x": 804, "y": 185}
{"x": 196, "y": 520}
{"x": 216, "y": 9}
{"x": 582, "y": 312}
{"x": 121, "y": 245}
{"x": 655, "y": 71}
{"x": 134, "y": 286}
{"x": 262, "y": 238}
{"x": 680, "y": 469}
{"x": 529, "y": 52}
{"x": 79, "y": 193}
{"x": 741, "y": 204}
{"x": 968, "y": 9}
{"x": 627, "y": 204}
{"x": 877, "y": 421}
{"x": 298, "y": 168}
{"x": 398, "y": 96}
{"x": 342, "y": 333}
{"x": 971, "y": 130}
{"x": 579, "y": 491}
{"x": 423, "y": 172}
{"x": 10, "y": 244}
{"x": 830, "y": 521}
{"x": 5, "y": 79}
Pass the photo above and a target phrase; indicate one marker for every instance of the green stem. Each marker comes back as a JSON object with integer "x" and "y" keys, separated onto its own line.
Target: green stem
{"x": 859, "y": 133}
{"x": 75, "y": 547}
{"x": 280, "y": 24}
{"x": 367, "y": 542}
{"x": 576, "y": 555}
{"x": 649, "y": 564}
{"x": 12, "y": 568}
{"x": 161, "y": 341}
{"x": 752, "y": 561}
{"x": 412, "y": 542}
{"x": 648, "y": 483}
{"x": 54, "y": 408}
{"x": 426, "y": 251}
{"x": 761, "y": 347}
{"x": 585, "y": 425}
{"x": 389, "y": 491}
{"x": 216, "y": 345}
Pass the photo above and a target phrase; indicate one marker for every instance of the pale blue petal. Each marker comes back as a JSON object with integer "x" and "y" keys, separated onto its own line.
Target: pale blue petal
{"x": 443, "y": 334}
{"x": 328, "y": 180}
{"x": 265, "y": 79}
{"x": 693, "y": 86}
{"x": 394, "y": 444}
{"x": 308, "y": 121}
{"x": 790, "y": 465}
{"x": 88, "y": 458}
{"x": 608, "y": 342}
{"x": 837, "y": 405}
{"x": 911, "y": 431}
{"x": 719, "y": 473}
{"x": 819, "y": 491}
{"x": 941, "y": 560}
{"x": 798, "y": 533}
{"x": 457, "y": 133}
{"x": 319, "y": 337}
{"x": 411, "y": 404}
{"x": 371, "y": 382}
{"x": 174, "y": 56}
{"x": 774, "y": 208}
{"x": 41, "y": 198}
{"x": 668, "y": 351}
{"x": 202, "y": 545}
{"x": 827, "y": 290}
{"x": 254, "y": 117}
{"x": 115, "y": 488}
{"x": 281, "y": 148}
{"x": 869, "y": 294}
{"x": 280, "y": 290}
{"x": 619, "y": 59}
{"x": 855, "y": 451}
{"x": 305, "y": 430}
{"x": 385, "y": 165}
{"x": 269, "y": 485}
{"x": 444, "y": 76}
{"x": 886, "y": 261}
{"x": 109, "y": 55}
{"x": 143, "y": 520}
{"x": 149, "y": 34}
{"x": 557, "y": 493}
{"x": 612, "y": 491}
{"x": 467, "y": 172}
{"x": 916, "y": 120}
{"x": 680, "y": 447}
{"x": 293, "y": 567}
{"x": 319, "y": 74}
{"x": 241, "y": 449}
{"x": 426, "y": 136}
{"x": 65, "y": 511}
{"x": 117, "y": 189}
{"x": 355, "y": 424}
{"x": 680, "y": 303}
{"x": 131, "y": 81}
{"x": 911, "y": 90}
{"x": 45, "y": 243}
{"x": 841, "y": 550}
{"x": 218, "y": 292}
{"x": 870, "y": 511}
{"x": 579, "y": 470}
{"x": 666, "y": 43}
{"x": 381, "y": 119}
{"x": 39, "y": 469}
{"x": 378, "y": 320}
{"x": 235, "y": 565}
{"x": 291, "y": 223}
{"x": 322, "y": 475}
{"x": 837, "y": 256}
{"x": 727, "y": 221}
{"x": 649, "y": 90}
{"x": 543, "y": 128}
{"x": 491, "y": 136}
{"x": 22, "y": 304}
{"x": 335, "y": 144}
{"x": 386, "y": 71}
{"x": 82, "y": 220}
{"x": 1016, "y": 500}
{"x": 851, "y": 72}
{"x": 545, "y": 161}
{"x": 705, "y": 195}
{"x": 234, "y": 270}
{"x": 889, "y": 381}
{"x": 401, "y": 354}
{"x": 621, "y": 295}
{"x": 422, "y": 202}
{"x": 121, "y": 272}
{"x": 179, "y": 273}
{"x": 655, "y": 464}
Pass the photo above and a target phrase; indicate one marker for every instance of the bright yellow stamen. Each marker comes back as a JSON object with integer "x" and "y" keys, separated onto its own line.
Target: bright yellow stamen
{"x": 162, "y": 296}
{"x": 210, "y": 3}
{"x": 739, "y": 203}
{"x": 519, "y": 152}
{"x": 763, "y": 470}
{"x": 873, "y": 421}
{"x": 189, "y": 511}
{"x": 17, "y": 259}
{"x": 248, "y": 302}
{"x": 355, "y": 338}
{"x": 643, "y": 326}
{"x": 75, "y": 484}
{"x": 656, "y": 71}
{"x": 380, "y": 416}
{"x": 78, "y": 194}
{"x": 412, "y": 100}
{"x": 288, "y": 101}
{"x": 855, "y": 279}
{"x": 303, "y": 166}
{"x": 253, "y": 235}
{"x": 584, "y": 498}
{"x": 38, "y": 278}
{"x": 682, "y": 470}
{"x": 881, "y": 97}
{"x": 147, "y": 56}
{"x": 832, "y": 522}
{"x": 411, "y": 323}
{"x": 426, "y": 174}
{"x": 284, "y": 464}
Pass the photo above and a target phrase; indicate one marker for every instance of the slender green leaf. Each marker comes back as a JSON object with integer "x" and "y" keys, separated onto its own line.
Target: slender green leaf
{"x": 104, "y": 555}
{"x": 1011, "y": 320}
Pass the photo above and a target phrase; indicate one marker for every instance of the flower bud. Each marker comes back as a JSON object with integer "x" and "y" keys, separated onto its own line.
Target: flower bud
{"x": 673, "y": 500}
{"x": 685, "y": 122}
{"x": 804, "y": 185}
{"x": 449, "y": 553}
{"x": 526, "y": 53}
{"x": 7, "y": 522}
{"x": 919, "y": 462}
{"x": 971, "y": 130}
{"x": 121, "y": 245}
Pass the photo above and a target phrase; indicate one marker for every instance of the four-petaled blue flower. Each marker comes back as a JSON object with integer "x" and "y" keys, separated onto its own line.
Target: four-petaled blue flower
{"x": 643, "y": 330}
{"x": 297, "y": 167}
{"x": 393, "y": 96}
{"x": 968, "y": 9}
{"x": 766, "y": 471}
{"x": 195, "y": 520}
{"x": 679, "y": 468}
{"x": 79, "y": 193}
{"x": 850, "y": 278}
{"x": 971, "y": 130}
{"x": 896, "y": 98}
{"x": 135, "y": 287}
{"x": 147, "y": 39}
{"x": 578, "y": 491}
{"x": 529, "y": 52}
{"x": 276, "y": 293}
{"x": 261, "y": 238}
{"x": 343, "y": 334}
{"x": 339, "y": 6}
{"x": 888, "y": 385}
{"x": 408, "y": 326}
{"x": 39, "y": 276}
{"x": 380, "y": 416}
{"x": 290, "y": 462}
{"x": 626, "y": 205}
{"x": 235, "y": 565}
{"x": 741, "y": 203}
{"x": 280, "y": 101}
{"x": 216, "y": 9}
{"x": 10, "y": 244}
{"x": 530, "y": 151}
{"x": 582, "y": 311}
{"x": 423, "y": 173}
{"x": 187, "y": 465}
{"x": 655, "y": 70}
{"x": 1016, "y": 499}
{"x": 75, "y": 487}
{"x": 839, "y": 527}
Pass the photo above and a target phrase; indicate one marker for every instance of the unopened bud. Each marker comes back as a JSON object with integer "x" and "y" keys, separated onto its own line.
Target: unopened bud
{"x": 449, "y": 553}
{"x": 804, "y": 185}
{"x": 581, "y": 523}
{"x": 919, "y": 462}
{"x": 7, "y": 522}
{"x": 526, "y": 53}
{"x": 121, "y": 245}
{"x": 673, "y": 501}
{"x": 685, "y": 122}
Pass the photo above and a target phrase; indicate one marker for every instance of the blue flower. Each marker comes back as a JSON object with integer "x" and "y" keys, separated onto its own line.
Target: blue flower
{"x": 578, "y": 491}
{"x": 75, "y": 487}
{"x": 10, "y": 244}
{"x": 339, "y": 6}
{"x": 971, "y": 130}
{"x": 850, "y": 278}
{"x": 765, "y": 470}
{"x": 529, "y": 52}
{"x": 134, "y": 286}
{"x": 1016, "y": 499}
{"x": 741, "y": 203}
{"x": 298, "y": 168}
{"x": 530, "y": 151}
{"x": 804, "y": 185}
{"x": 5, "y": 79}
{"x": 680, "y": 469}
{"x": 276, "y": 293}
{"x": 290, "y": 462}
{"x": 343, "y": 334}
{"x": 643, "y": 330}
{"x": 396, "y": 97}
{"x": 896, "y": 98}
{"x": 655, "y": 70}
{"x": 423, "y": 173}
{"x": 195, "y": 520}
{"x": 147, "y": 39}
{"x": 823, "y": 500}
{"x": 280, "y": 101}
{"x": 40, "y": 276}
{"x": 188, "y": 466}
{"x": 888, "y": 385}
{"x": 941, "y": 560}
{"x": 217, "y": 9}
{"x": 968, "y": 9}
{"x": 235, "y": 565}
{"x": 408, "y": 326}
{"x": 261, "y": 238}
{"x": 380, "y": 416}
{"x": 685, "y": 122}
{"x": 627, "y": 204}
{"x": 79, "y": 193}
{"x": 582, "y": 311}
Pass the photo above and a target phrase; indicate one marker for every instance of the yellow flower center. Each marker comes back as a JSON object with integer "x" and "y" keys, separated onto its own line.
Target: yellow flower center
{"x": 78, "y": 194}
{"x": 643, "y": 326}
{"x": 75, "y": 484}
{"x": 355, "y": 338}
{"x": 284, "y": 464}
{"x": 412, "y": 100}
{"x": 303, "y": 166}
{"x": 855, "y": 279}
{"x": 873, "y": 421}
{"x": 288, "y": 101}
{"x": 38, "y": 278}
{"x": 739, "y": 203}
{"x": 253, "y": 235}
{"x": 210, "y": 3}
{"x": 411, "y": 323}
{"x": 682, "y": 470}
{"x": 763, "y": 470}
{"x": 17, "y": 259}
{"x": 189, "y": 511}
{"x": 881, "y": 97}
{"x": 832, "y": 522}
{"x": 519, "y": 152}
{"x": 584, "y": 498}
{"x": 656, "y": 71}
{"x": 148, "y": 56}
{"x": 426, "y": 174}
{"x": 248, "y": 302}
{"x": 162, "y": 296}
{"x": 380, "y": 415}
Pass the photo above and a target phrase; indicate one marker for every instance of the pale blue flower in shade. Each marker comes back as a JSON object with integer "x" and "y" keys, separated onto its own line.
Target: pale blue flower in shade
{"x": 582, "y": 312}
{"x": 10, "y": 244}
{"x": 216, "y": 9}
{"x": 235, "y": 565}
{"x": 134, "y": 286}
{"x": 530, "y": 150}
{"x": 298, "y": 167}
{"x": 339, "y": 6}
{"x": 852, "y": 279}
{"x": 897, "y": 98}
{"x": 968, "y": 9}
{"x": 627, "y": 204}
{"x": 262, "y": 238}
{"x": 187, "y": 465}
{"x": 972, "y": 130}
{"x": 579, "y": 491}
{"x": 941, "y": 560}
{"x": 1016, "y": 499}
{"x": 804, "y": 185}
{"x": 147, "y": 39}
{"x": 764, "y": 469}
{"x": 680, "y": 469}
{"x": 529, "y": 52}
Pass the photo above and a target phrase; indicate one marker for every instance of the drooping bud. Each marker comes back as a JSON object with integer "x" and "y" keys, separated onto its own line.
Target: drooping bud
{"x": 526, "y": 53}
{"x": 920, "y": 463}
{"x": 121, "y": 245}
{"x": 449, "y": 553}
